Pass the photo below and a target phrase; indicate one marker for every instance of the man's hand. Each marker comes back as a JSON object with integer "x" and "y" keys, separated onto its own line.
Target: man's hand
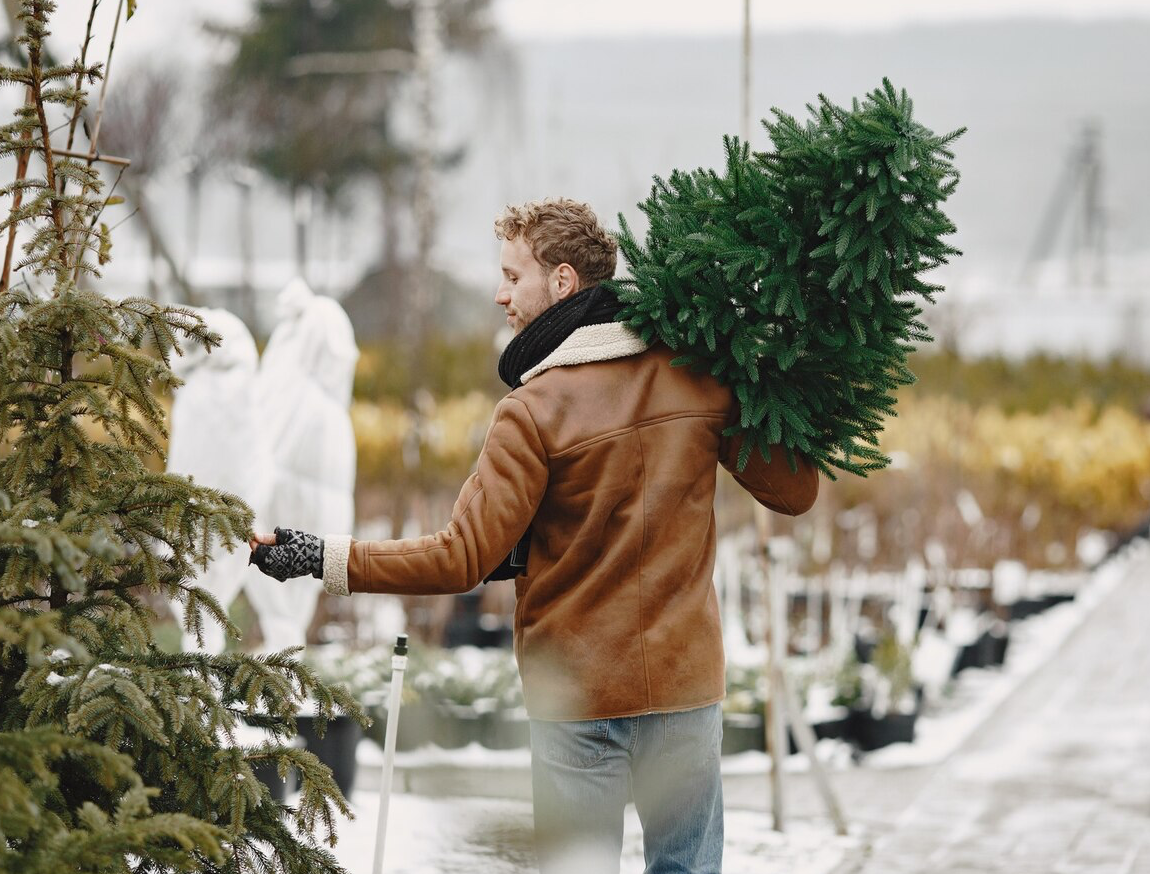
{"x": 287, "y": 554}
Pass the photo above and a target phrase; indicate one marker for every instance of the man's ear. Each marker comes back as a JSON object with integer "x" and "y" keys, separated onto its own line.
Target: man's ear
{"x": 566, "y": 279}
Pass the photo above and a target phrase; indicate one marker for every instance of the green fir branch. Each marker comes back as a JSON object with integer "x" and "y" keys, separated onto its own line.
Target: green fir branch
{"x": 790, "y": 274}
{"x": 114, "y": 755}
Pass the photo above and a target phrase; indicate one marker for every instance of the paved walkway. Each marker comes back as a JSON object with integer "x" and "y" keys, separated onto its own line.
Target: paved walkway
{"x": 1057, "y": 781}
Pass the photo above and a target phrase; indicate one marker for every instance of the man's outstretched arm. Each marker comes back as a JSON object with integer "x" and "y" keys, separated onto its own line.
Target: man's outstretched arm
{"x": 494, "y": 508}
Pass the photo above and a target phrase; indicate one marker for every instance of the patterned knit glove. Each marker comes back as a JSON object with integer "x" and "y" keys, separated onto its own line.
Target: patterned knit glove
{"x": 295, "y": 554}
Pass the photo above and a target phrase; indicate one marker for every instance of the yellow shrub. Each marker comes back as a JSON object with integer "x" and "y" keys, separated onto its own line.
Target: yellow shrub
{"x": 1079, "y": 458}
{"x": 450, "y": 436}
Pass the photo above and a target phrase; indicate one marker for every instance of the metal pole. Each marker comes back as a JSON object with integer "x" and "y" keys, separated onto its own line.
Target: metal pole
{"x": 777, "y": 597}
{"x": 746, "y": 120}
{"x": 398, "y": 666}
{"x": 427, "y": 24}
{"x": 775, "y": 724}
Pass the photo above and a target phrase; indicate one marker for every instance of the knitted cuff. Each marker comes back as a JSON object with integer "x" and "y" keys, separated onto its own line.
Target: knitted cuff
{"x": 336, "y": 551}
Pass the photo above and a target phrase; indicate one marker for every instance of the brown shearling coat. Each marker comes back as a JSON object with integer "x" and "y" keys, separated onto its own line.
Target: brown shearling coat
{"x": 611, "y": 455}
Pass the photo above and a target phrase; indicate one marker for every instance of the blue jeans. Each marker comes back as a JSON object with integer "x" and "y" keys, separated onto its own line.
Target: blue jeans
{"x": 583, "y": 774}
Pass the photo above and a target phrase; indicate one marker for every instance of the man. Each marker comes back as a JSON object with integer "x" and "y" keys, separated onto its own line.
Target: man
{"x": 609, "y": 454}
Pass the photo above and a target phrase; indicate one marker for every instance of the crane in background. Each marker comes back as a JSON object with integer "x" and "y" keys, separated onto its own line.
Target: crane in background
{"x": 1079, "y": 196}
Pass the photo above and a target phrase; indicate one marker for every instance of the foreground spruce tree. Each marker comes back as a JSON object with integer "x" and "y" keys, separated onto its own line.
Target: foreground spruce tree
{"x": 795, "y": 276}
{"x": 116, "y": 756}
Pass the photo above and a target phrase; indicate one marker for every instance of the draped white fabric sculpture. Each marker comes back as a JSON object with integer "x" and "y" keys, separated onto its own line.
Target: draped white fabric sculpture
{"x": 303, "y": 394}
{"x": 215, "y": 439}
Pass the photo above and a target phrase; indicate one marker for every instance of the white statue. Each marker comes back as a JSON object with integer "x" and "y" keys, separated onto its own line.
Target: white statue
{"x": 303, "y": 395}
{"x": 215, "y": 439}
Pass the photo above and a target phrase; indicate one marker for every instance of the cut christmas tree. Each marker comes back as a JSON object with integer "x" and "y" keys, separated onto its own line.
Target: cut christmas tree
{"x": 116, "y": 756}
{"x": 796, "y": 276}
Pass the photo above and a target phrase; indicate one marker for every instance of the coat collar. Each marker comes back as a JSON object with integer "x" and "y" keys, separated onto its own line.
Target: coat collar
{"x": 590, "y": 343}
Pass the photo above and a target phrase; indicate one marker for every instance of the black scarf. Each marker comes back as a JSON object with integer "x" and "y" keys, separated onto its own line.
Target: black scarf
{"x": 591, "y": 306}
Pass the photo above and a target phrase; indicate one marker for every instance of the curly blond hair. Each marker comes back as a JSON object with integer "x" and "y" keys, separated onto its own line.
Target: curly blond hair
{"x": 562, "y": 231}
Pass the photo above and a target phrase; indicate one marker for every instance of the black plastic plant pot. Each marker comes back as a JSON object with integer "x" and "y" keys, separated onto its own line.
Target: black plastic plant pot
{"x": 969, "y": 656}
{"x": 994, "y": 647}
{"x": 871, "y": 733}
{"x": 336, "y": 748}
{"x": 1020, "y": 609}
{"x": 414, "y": 730}
{"x": 267, "y": 773}
{"x": 832, "y": 728}
{"x": 457, "y": 725}
{"x": 987, "y": 650}
{"x": 505, "y": 731}
{"x": 923, "y": 612}
{"x": 265, "y": 770}
{"x": 743, "y": 732}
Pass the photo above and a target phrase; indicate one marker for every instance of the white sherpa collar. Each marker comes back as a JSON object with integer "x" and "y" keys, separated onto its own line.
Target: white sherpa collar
{"x": 590, "y": 343}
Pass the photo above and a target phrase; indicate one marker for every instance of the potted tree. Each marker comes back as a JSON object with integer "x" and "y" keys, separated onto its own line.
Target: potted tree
{"x": 473, "y": 695}
{"x": 115, "y": 754}
{"x": 880, "y": 695}
{"x": 366, "y": 675}
{"x": 743, "y": 710}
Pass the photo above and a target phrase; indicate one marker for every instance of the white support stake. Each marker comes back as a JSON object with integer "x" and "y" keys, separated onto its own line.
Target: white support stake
{"x": 777, "y": 606}
{"x": 805, "y": 737}
{"x": 774, "y": 722}
{"x": 398, "y": 666}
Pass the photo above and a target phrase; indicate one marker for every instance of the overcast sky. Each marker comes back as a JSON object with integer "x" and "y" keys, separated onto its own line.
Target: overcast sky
{"x": 176, "y": 25}
{"x": 559, "y": 18}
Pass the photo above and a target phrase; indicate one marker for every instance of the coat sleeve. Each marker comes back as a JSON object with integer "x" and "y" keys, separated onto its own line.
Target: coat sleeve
{"x": 493, "y": 510}
{"x": 773, "y": 484}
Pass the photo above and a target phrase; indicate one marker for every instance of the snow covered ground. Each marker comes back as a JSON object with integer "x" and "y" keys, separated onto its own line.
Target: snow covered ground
{"x": 448, "y": 835}
{"x": 456, "y": 833}
{"x": 978, "y": 691}
{"x": 1057, "y": 779}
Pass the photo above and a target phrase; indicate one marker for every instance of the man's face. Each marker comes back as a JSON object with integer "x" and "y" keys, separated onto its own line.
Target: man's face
{"x": 525, "y": 291}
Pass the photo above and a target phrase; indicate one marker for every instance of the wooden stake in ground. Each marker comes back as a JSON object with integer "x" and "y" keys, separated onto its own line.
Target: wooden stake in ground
{"x": 774, "y": 717}
{"x": 783, "y": 704}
